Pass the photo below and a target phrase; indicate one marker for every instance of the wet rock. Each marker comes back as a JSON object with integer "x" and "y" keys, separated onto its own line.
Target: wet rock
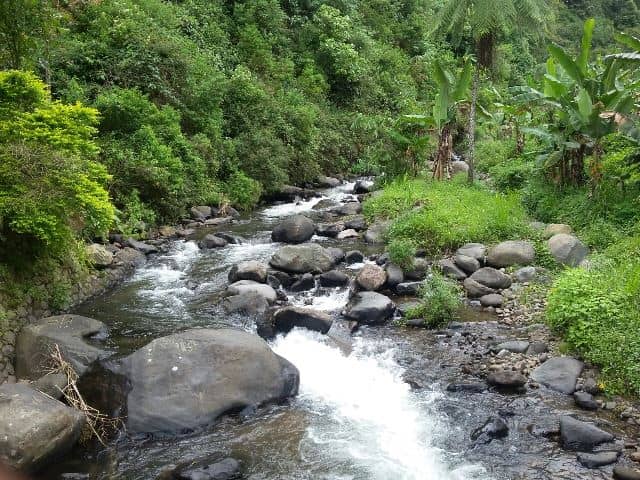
{"x": 547, "y": 428}
{"x": 213, "y": 222}
{"x": 51, "y": 384}
{"x": 279, "y": 279}
{"x": 354, "y": 256}
{"x": 336, "y": 253}
{"x": 333, "y": 278}
{"x": 473, "y": 250}
{"x": 506, "y": 380}
{"x": 142, "y": 247}
{"x": 559, "y": 373}
{"x": 230, "y": 238}
{"x": 346, "y": 234}
{"x": 357, "y": 223}
{"x": 466, "y": 263}
{"x": 308, "y": 258}
{"x": 325, "y": 204}
{"x": 304, "y": 283}
{"x": 248, "y": 270}
{"x": 418, "y": 270}
{"x": 201, "y": 212}
{"x": 556, "y": 228}
{"x": 212, "y": 241}
{"x": 591, "y": 386}
{"x": 129, "y": 257}
{"x": 492, "y": 278}
{"x": 585, "y": 401}
{"x": 537, "y": 347}
{"x": 510, "y": 253}
{"x": 250, "y": 303}
{"x": 395, "y": 276}
{"x": 581, "y": 436}
{"x": 451, "y": 270}
{"x": 626, "y": 473}
{"x": 492, "y": 429}
{"x": 225, "y": 469}
{"x": 409, "y": 288}
{"x": 567, "y": 249}
{"x": 370, "y": 308}
{"x": 371, "y": 277}
{"x": 98, "y": 255}
{"x": 363, "y": 186}
{"x": 285, "y": 319}
{"x": 515, "y": 346}
{"x": 475, "y": 289}
{"x": 328, "y": 182}
{"x": 70, "y": 332}
{"x": 329, "y": 229}
{"x": 348, "y": 209}
{"x": 34, "y": 428}
{"x": 525, "y": 274}
{"x": 249, "y": 287}
{"x": 376, "y": 232}
{"x": 189, "y": 379}
{"x": 295, "y": 229}
{"x": 467, "y": 387}
{"x": 595, "y": 460}
{"x": 492, "y": 300}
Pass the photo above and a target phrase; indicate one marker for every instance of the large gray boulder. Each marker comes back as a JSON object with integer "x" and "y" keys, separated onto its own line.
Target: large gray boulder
{"x": 567, "y": 249}
{"x": 371, "y": 277}
{"x": 191, "y": 378}
{"x": 512, "y": 252}
{"x": 285, "y": 319}
{"x": 295, "y": 229}
{"x": 37, "y": 340}
{"x": 211, "y": 241}
{"x": 249, "y": 287}
{"x": 328, "y": 182}
{"x": 142, "y": 247}
{"x": 559, "y": 373}
{"x": 307, "y": 258}
{"x": 376, "y": 232}
{"x": 581, "y": 436}
{"x": 248, "y": 303}
{"x": 370, "y": 308}
{"x": 473, "y": 250}
{"x": 451, "y": 270}
{"x": 248, "y": 270}
{"x": 363, "y": 186}
{"x": 348, "y": 209}
{"x": 35, "y": 428}
{"x": 492, "y": 278}
{"x": 466, "y": 263}
{"x": 476, "y": 289}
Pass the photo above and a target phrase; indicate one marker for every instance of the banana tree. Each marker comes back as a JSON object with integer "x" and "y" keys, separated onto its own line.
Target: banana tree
{"x": 586, "y": 102}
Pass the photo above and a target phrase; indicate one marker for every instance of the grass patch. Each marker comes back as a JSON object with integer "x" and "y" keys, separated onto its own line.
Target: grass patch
{"x": 439, "y": 216}
{"x": 598, "y": 311}
{"x": 440, "y": 301}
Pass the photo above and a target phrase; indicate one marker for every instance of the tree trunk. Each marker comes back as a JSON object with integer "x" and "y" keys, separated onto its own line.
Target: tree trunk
{"x": 442, "y": 164}
{"x": 471, "y": 133}
{"x": 519, "y": 140}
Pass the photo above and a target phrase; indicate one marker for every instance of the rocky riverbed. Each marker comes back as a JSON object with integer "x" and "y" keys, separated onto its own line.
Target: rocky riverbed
{"x": 344, "y": 388}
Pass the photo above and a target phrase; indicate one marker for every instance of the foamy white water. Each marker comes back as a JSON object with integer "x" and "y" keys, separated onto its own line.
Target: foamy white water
{"x": 364, "y": 417}
{"x": 291, "y": 208}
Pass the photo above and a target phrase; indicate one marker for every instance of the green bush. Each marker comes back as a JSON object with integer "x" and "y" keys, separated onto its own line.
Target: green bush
{"x": 439, "y": 216}
{"x": 440, "y": 301}
{"x": 402, "y": 251}
{"x": 513, "y": 174}
{"x": 492, "y": 152}
{"x": 242, "y": 191}
{"x": 597, "y": 311}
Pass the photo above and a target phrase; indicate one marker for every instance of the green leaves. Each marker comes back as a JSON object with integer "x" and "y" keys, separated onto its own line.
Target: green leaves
{"x": 571, "y": 68}
{"x": 583, "y": 59}
{"x": 585, "y": 106}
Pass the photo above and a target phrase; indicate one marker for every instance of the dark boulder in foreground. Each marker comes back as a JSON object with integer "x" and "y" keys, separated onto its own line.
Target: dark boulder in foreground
{"x": 285, "y": 319}
{"x": 559, "y": 373}
{"x": 189, "y": 379}
{"x": 581, "y": 436}
{"x": 35, "y": 428}
{"x": 70, "y": 332}
{"x": 307, "y": 258}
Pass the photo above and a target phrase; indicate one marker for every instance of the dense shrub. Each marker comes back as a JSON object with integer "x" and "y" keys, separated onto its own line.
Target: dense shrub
{"x": 440, "y": 301}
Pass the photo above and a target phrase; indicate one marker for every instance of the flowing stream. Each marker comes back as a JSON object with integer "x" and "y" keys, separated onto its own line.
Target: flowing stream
{"x": 354, "y": 418}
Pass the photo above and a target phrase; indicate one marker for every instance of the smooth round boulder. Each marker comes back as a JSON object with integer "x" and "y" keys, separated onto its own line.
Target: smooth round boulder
{"x": 395, "y": 275}
{"x": 357, "y": 223}
{"x": 35, "y": 342}
{"x": 307, "y": 258}
{"x": 34, "y": 428}
{"x": 473, "y": 250}
{"x": 476, "y": 289}
{"x": 371, "y": 277}
{"x": 513, "y": 252}
{"x": 212, "y": 241}
{"x": 248, "y": 303}
{"x": 525, "y": 274}
{"x": 466, "y": 263}
{"x": 189, "y": 379}
{"x": 201, "y": 212}
{"x": 559, "y": 374}
{"x": 556, "y": 228}
{"x": 506, "y": 380}
{"x": 492, "y": 278}
{"x": 248, "y": 270}
{"x": 304, "y": 283}
{"x": 492, "y": 300}
{"x": 328, "y": 182}
{"x": 597, "y": 460}
{"x": 567, "y": 249}
{"x": 348, "y": 209}
{"x": 295, "y": 229}
{"x": 370, "y": 308}
{"x": 333, "y": 278}
{"x": 249, "y": 287}
{"x": 451, "y": 270}
{"x": 329, "y": 229}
